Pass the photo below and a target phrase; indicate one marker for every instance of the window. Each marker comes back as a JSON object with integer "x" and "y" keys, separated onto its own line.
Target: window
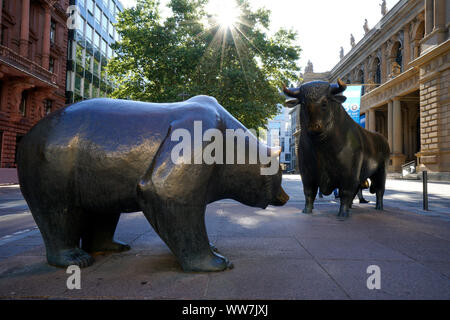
{"x": 80, "y": 27}
{"x": 97, "y": 40}
{"x": 48, "y": 106}
{"x": 94, "y": 90}
{"x": 79, "y": 55}
{"x": 399, "y": 57}
{"x": 103, "y": 48}
{"x": 90, "y": 6}
{"x": 98, "y": 15}
{"x": 52, "y": 32}
{"x": 378, "y": 72}
{"x": 18, "y": 139}
{"x": 89, "y": 31}
{"x": 87, "y": 91}
{"x": 51, "y": 65}
{"x": 105, "y": 23}
{"x": 111, "y": 29}
{"x": 87, "y": 61}
{"x": 23, "y": 103}
{"x": 96, "y": 67}
{"x": 77, "y": 84}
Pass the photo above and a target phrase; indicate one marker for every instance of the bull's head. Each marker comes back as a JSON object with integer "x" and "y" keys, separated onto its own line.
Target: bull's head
{"x": 319, "y": 101}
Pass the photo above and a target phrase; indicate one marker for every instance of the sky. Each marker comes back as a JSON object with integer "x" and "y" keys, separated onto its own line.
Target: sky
{"x": 323, "y": 26}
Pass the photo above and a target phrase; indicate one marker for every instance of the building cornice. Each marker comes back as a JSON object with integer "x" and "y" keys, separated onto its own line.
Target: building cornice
{"x": 431, "y": 54}
{"x": 388, "y": 26}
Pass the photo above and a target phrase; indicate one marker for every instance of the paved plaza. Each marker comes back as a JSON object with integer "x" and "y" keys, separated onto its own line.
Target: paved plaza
{"x": 278, "y": 253}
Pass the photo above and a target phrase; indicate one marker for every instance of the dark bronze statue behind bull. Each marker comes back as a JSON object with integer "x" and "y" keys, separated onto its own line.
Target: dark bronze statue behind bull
{"x": 333, "y": 150}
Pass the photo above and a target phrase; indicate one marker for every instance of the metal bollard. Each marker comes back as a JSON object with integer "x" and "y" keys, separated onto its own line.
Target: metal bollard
{"x": 425, "y": 190}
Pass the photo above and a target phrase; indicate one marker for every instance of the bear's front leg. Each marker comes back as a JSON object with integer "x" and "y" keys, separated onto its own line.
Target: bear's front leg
{"x": 183, "y": 229}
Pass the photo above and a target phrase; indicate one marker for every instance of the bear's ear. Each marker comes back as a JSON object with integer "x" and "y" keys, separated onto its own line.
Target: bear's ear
{"x": 339, "y": 98}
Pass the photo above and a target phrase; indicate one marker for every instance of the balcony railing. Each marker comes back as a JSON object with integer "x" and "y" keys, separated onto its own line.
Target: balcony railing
{"x": 26, "y": 65}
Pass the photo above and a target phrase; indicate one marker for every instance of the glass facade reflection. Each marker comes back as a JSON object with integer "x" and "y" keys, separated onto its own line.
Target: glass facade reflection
{"x": 89, "y": 49}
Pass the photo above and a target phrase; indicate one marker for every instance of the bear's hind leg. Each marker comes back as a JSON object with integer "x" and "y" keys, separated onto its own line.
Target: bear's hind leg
{"x": 98, "y": 233}
{"x": 183, "y": 229}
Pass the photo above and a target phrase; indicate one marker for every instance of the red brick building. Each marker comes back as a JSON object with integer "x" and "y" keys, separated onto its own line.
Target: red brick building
{"x": 33, "y": 56}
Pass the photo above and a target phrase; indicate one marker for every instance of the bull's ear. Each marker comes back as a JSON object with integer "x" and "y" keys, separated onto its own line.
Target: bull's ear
{"x": 339, "y": 98}
{"x": 291, "y": 103}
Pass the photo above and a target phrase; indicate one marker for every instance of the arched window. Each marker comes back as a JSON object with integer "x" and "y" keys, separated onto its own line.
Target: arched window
{"x": 361, "y": 81}
{"x": 377, "y": 72}
{"x": 399, "y": 56}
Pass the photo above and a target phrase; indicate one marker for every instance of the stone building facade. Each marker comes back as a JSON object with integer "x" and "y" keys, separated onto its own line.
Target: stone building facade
{"x": 33, "y": 52}
{"x": 404, "y": 64}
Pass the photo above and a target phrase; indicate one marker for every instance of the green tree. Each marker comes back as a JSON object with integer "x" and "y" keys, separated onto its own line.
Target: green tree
{"x": 189, "y": 53}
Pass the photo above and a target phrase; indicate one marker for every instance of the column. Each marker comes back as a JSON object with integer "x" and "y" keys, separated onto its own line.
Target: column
{"x": 429, "y": 21}
{"x": 24, "y": 28}
{"x": 46, "y": 38}
{"x": 397, "y": 126}
{"x": 372, "y": 120}
{"x": 384, "y": 73}
{"x": 439, "y": 19}
{"x": 406, "y": 47}
{"x": 398, "y": 158}
{"x": 390, "y": 125}
{"x": 439, "y": 14}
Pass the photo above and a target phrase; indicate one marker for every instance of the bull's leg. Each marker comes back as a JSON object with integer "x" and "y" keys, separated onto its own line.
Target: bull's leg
{"x": 98, "y": 232}
{"x": 183, "y": 229}
{"x": 60, "y": 228}
{"x": 346, "y": 197}
{"x": 378, "y": 187}
{"x": 310, "y": 192}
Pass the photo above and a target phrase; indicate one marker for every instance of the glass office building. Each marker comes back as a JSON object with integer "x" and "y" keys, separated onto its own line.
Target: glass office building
{"x": 89, "y": 49}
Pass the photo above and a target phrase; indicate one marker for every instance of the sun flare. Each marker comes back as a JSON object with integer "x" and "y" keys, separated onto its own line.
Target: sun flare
{"x": 227, "y": 14}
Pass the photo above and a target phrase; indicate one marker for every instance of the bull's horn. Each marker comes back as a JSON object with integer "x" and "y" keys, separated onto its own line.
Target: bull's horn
{"x": 339, "y": 87}
{"x": 291, "y": 93}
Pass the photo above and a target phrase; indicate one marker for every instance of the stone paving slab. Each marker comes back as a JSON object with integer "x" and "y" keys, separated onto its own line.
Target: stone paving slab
{"x": 278, "y": 253}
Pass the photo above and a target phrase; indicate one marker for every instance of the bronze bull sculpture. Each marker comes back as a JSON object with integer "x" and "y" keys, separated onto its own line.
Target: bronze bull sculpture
{"x": 333, "y": 150}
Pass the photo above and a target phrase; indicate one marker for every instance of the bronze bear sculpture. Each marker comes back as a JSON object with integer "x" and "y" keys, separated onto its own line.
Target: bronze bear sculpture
{"x": 82, "y": 166}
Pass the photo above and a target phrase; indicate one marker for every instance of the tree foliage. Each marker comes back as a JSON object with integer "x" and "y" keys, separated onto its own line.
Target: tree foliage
{"x": 188, "y": 53}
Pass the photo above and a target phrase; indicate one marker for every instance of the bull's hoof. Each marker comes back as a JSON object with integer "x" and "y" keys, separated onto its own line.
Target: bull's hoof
{"x": 212, "y": 263}
{"x": 379, "y": 207}
{"x": 68, "y": 257}
{"x": 363, "y": 201}
{"x": 307, "y": 210}
{"x": 342, "y": 216}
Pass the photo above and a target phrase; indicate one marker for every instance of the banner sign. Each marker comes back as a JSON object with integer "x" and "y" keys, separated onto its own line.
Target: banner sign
{"x": 353, "y": 103}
